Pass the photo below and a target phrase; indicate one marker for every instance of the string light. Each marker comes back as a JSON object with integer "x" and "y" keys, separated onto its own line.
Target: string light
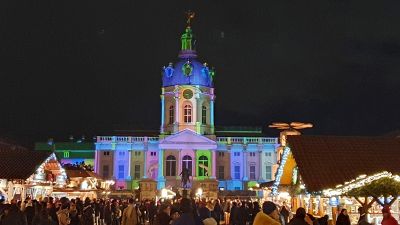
{"x": 360, "y": 181}
{"x": 279, "y": 173}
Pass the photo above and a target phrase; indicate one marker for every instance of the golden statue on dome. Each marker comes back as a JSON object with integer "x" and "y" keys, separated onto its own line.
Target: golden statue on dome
{"x": 190, "y": 17}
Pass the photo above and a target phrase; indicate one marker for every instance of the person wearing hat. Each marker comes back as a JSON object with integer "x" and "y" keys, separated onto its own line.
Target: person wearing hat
{"x": 388, "y": 219}
{"x": 268, "y": 216}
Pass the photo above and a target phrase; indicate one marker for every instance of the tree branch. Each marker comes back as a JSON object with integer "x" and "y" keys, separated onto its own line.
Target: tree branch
{"x": 378, "y": 201}
{"x": 359, "y": 200}
{"x": 393, "y": 200}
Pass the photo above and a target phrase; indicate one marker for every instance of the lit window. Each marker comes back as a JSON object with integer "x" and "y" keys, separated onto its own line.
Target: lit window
{"x": 187, "y": 114}
{"x": 252, "y": 172}
{"x": 187, "y": 163}
{"x": 171, "y": 114}
{"x": 106, "y": 171}
{"x": 137, "y": 172}
{"x": 121, "y": 172}
{"x": 204, "y": 115}
{"x": 237, "y": 172}
{"x": 268, "y": 172}
{"x": 221, "y": 173}
{"x": 171, "y": 166}
{"x": 203, "y": 166}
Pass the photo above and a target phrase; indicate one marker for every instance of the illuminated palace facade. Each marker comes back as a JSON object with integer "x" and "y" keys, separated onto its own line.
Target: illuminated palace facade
{"x": 187, "y": 137}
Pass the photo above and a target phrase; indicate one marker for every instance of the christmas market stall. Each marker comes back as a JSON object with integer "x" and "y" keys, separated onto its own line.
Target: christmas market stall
{"x": 26, "y": 173}
{"x": 325, "y": 173}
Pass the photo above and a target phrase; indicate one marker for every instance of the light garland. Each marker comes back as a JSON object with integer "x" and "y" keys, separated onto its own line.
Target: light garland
{"x": 279, "y": 173}
{"x": 360, "y": 181}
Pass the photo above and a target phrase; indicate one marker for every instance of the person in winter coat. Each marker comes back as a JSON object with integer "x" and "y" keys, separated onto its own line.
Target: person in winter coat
{"x": 187, "y": 217}
{"x": 163, "y": 217}
{"x": 363, "y": 217}
{"x": 217, "y": 212}
{"x": 63, "y": 215}
{"x": 343, "y": 218}
{"x": 43, "y": 218}
{"x": 73, "y": 214}
{"x": 388, "y": 219}
{"x": 234, "y": 215}
{"x": 107, "y": 213}
{"x": 130, "y": 215}
{"x": 87, "y": 213}
{"x": 268, "y": 216}
{"x": 300, "y": 218}
{"x": 14, "y": 217}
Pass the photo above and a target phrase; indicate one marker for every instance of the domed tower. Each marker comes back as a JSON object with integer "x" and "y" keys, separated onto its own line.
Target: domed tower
{"x": 187, "y": 96}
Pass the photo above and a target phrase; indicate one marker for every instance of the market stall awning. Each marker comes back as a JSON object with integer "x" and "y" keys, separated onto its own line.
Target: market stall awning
{"x": 327, "y": 161}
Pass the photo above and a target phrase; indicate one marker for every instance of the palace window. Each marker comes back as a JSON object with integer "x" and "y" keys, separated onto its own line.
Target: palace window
{"x": 236, "y": 173}
{"x": 252, "y": 154}
{"x": 171, "y": 166}
{"x": 153, "y": 153}
{"x": 187, "y": 163}
{"x": 171, "y": 114}
{"x": 121, "y": 172}
{"x": 187, "y": 114}
{"x": 221, "y": 173}
{"x": 252, "y": 172}
{"x": 268, "y": 172}
{"x": 221, "y": 154}
{"x": 137, "y": 153}
{"x": 106, "y": 153}
{"x": 137, "y": 172}
{"x": 268, "y": 154}
{"x": 106, "y": 171}
{"x": 204, "y": 115}
{"x": 121, "y": 154}
{"x": 203, "y": 166}
{"x": 236, "y": 153}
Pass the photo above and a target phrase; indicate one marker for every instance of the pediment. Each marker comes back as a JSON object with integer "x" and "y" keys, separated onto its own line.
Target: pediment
{"x": 187, "y": 139}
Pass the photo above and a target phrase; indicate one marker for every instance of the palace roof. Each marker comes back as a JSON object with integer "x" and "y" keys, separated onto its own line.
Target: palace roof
{"x": 18, "y": 162}
{"x": 327, "y": 161}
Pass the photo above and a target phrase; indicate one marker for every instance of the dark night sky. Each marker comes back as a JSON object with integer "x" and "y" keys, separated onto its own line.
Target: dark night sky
{"x": 89, "y": 67}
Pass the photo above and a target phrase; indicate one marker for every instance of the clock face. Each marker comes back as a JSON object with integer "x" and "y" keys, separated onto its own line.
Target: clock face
{"x": 187, "y": 94}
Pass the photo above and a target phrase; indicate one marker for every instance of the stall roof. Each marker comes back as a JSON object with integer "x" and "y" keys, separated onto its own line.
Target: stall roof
{"x": 326, "y": 161}
{"x": 72, "y": 173}
{"x": 18, "y": 162}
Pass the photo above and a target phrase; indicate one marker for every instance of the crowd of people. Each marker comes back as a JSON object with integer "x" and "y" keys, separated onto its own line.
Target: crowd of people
{"x": 63, "y": 211}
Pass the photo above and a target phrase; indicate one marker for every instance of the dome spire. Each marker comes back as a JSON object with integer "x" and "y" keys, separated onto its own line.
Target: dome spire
{"x": 187, "y": 39}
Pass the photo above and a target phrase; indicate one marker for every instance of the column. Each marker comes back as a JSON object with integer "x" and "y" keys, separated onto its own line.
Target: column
{"x": 129, "y": 176}
{"x": 179, "y": 162}
{"x": 214, "y": 164}
{"x": 212, "y": 98}
{"x": 198, "y": 113}
{"x": 96, "y": 161}
{"x": 245, "y": 178}
{"x": 260, "y": 165}
{"x": 162, "y": 111}
{"x": 176, "y": 124}
{"x": 160, "y": 178}
{"x": 145, "y": 163}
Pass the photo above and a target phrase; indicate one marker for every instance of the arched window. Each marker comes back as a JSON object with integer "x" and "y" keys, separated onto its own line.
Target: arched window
{"x": 171, "y": 114}
{"x": 203, "y": 166}
{"x": 187, "y": 163}
{"x": 187, "y": 114}
{"x": 171, "y": 166}
{"x": 204, "y": 115}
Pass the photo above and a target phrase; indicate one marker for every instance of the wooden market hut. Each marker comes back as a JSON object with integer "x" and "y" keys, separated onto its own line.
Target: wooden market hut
{"x": 19, "y": 176}
{"x": 322, "y": 164}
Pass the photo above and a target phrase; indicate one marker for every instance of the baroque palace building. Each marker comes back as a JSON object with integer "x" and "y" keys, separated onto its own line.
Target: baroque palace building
{"x": 187, "y": 137}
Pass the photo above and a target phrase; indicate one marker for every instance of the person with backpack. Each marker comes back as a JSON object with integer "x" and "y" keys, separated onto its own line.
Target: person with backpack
{"x": 130, "y": 216}
{"x": 87, "y": 213}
